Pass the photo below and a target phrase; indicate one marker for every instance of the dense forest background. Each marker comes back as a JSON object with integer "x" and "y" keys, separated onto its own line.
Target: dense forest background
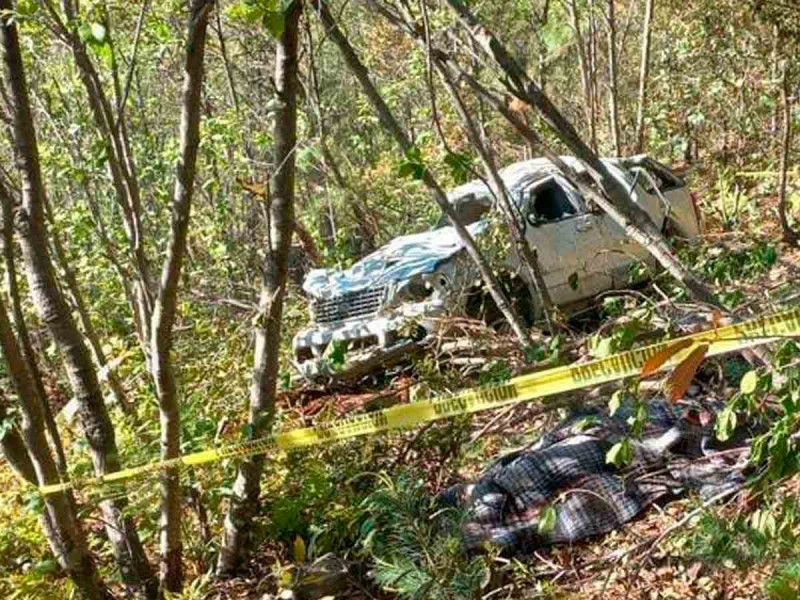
{"x": 163, "y": 129}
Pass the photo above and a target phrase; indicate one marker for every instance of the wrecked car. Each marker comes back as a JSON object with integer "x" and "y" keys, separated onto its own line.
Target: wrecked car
{"x": 401, "y": 292}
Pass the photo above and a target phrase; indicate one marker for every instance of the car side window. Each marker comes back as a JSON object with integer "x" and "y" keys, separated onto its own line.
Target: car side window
{"x": 547, "y": 202}
{"x": 661, "y": 176}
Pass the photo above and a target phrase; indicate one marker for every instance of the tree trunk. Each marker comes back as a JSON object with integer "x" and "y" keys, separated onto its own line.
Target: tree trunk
{"x": 55, "y": 314}
{"x": 244, "y": 502}
{"x": 13, "y": 446}
{"x": 617, "y": 202}
{"x": 593, "y": 70}
{"x": 114, "y": 384}
{"x": 587, "y": 81}
{"x": 358, "y": 202}
{"x": 613, "y": 96}
{"x": 60, "y": 525}
{"x": 644, "y": 70}
{"x": 391, "y": 125}
{"x": 122, "y": 170}
{"x": 22, "y": 330}
{"x": 790, "y": 236}
{"x": 171, "y": 572}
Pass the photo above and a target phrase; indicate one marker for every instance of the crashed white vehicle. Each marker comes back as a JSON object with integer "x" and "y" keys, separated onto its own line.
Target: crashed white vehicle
{"x": 416, "y": 279}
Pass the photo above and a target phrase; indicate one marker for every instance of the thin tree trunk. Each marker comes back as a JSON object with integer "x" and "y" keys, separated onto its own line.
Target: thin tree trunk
{"x": 774, "y": 67}
{"x": 226, "y": 63}
{"x": 540, "y": 295}
{"x": 644, "y": 71}
{"x": 55, "y": 314}
{"x": 13, "y": 446}
{"x": 114, "y": 384}
{"x": 790, "y": 236}
{"x": 613, "y": 96}
{"x": 358, "y": 201}
{"x": 22, "y": 330}
{"x": 121, "y": 167}
{"x": 617, "y": 202}
{"x": 402, "y": 139}
{"x": 586, "y": 76}
{"x": 60, "y": 525}
{"x": 538, "y": 290}
{"x": 171, "y": 572}
{"x": 244, "y": 502}
{"x": 593, "y": 70}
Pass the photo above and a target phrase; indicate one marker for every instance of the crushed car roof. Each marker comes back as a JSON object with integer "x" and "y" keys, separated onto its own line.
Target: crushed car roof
{"x": 403, "y": 257}
{"x": 516, "y": 176}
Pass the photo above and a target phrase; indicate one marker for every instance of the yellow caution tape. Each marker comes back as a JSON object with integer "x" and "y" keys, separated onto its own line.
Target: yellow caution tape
{"x": 520, "y": 389}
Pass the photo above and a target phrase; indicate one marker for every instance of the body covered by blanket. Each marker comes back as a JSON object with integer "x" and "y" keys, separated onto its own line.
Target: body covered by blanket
{"x": 567, "y": 469}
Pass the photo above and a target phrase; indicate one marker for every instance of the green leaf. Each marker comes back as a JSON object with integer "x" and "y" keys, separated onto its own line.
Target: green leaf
{"x": 726, "y": 423}
{"x": 46, "y": 567}
{"x": 286, "y": 380}
{"x": 413, "y": 166}
{"x": 27, "y": 8}
{"x": 602, "y": 346}
{"x": 336, "y": 354}
{"x": 414, "y": 154}
{"x": 749, "y": 382}
{"x": 299, "y": 550}
{"x": 620, "y": 454}
{"x": 460, "y": 166}
{"x": 573, "y": 281}
{"x": 615, "y": 402}
{"x": 274, "y": 22}
{"x": 547, "y": 520}
{"x": 34, "y": 502}
{"x": 407, "y": 169}
{"x": 98, "y": 32}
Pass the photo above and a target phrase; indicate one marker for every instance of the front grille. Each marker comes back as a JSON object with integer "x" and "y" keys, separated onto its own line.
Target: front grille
{"x": 349, "y": 305}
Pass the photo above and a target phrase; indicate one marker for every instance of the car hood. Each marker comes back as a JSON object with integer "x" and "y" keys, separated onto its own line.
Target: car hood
{"x": 400, "y": 259}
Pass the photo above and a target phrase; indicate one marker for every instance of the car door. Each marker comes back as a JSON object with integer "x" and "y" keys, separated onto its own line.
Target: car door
{"x": 567, "y": 238}
{"x": 684, "y": 218}
{"x": 621, "y": 251}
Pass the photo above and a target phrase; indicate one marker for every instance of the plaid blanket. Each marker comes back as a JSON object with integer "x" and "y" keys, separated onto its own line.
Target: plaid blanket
{"x": 567, "y": 469}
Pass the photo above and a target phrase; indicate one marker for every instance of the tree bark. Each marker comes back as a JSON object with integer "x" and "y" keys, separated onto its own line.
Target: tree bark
{"x": 13, "y": 446}
{"x": 171, "y": 571}
{"x": 644, "y": 71}
{"x": 587, "y": 80}
{"x": 790, "y": 236}
{"x": 615, "y": 200}
{"x": 114, "y": 384}
{"x": 22, "y": 329}
{"x": 60, "y": 525}
{"x": 55, "y": 314}
{"x": 392, "y": 126}
{"x": 244, "y": 503}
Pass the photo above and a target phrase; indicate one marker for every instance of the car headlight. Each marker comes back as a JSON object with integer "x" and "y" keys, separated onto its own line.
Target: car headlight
{"x": 415, "y": 289}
